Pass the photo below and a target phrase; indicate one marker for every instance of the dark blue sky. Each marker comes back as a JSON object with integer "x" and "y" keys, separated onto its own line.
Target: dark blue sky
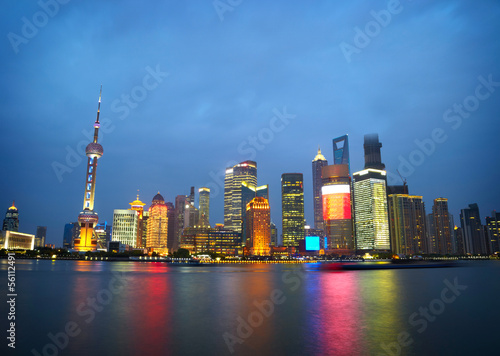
{"x": 221, "y": 77}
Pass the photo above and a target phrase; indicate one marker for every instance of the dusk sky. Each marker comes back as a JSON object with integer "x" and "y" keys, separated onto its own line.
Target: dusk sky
{"x": 186, "y": 83}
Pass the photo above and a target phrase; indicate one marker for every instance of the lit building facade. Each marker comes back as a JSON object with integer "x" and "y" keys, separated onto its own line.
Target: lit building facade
{"x": 292, "y": 208}
{"x": 341, "y": 151}
{"x": 157, "y": 236}
{"x": 138, "y": 206}
{"x": 444, "y": 244}
{"x": 180, "y": 206}
{"x": 407, "y": 221}
{"x": 274, "y": 235}
{"x": 370, "y": 210}
{"x": 337, "y": 215}
{"x": 11, "y": 221}
{"x": 493, "y": 231}
{"x": 258, "y": 222}
{"x": 233, "y": 209}
{"x": 88, "y": 218}
{"x": 204, "y": 196}
{"x": 13, "y": 240}
{"x": 71, "y": 232}
{"x": 125, "y": 223}
{"x": 216, "y": 239}
{"x": 103, "y": 232}
{"x": 317, "y": 164}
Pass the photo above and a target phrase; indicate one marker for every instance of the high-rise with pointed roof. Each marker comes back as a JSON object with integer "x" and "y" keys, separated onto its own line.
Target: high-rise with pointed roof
{"x": 11, "y": 221}
{"x": 317, "y": 164}
{"x": 88, "y": 217}
{"x": 138, "y": 206}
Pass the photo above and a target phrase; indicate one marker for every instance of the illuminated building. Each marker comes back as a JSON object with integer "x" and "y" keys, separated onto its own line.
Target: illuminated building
{"x": 41, "y": 233}
{"x": 258, "y": 222}
{"x": 317, "y": 164}
{"x": 191, "y": 216}
{"x": 341, "y": 150}
{"x": 248, "y": 192}
{"x": 292, "y": 208}
{"x": 336, "y": 195}
{"x": 158, "y": 225}
{"x": 459, "y": 240}
{"x": 13, "y": 240}
{"x": 407, "y": 221}
{"x": 138, "y": 206}
{"x": 473, "y": 232}
{"x": 274, "y": 235}
{"x": 233, "y": 209}
{"x": 88, "y": 217}
{"x": 125, "y": 223}
{"x": 11, "y": 221}
{"x": 370, "y": 210}
{"x": 217, "y": 240}
{"x": 204, "y": 194}
{"x": 493, "y": 231}
{"x": 442, "y": 228}
{"x": 104, "y": 233}
{"x": 432, "y": 247}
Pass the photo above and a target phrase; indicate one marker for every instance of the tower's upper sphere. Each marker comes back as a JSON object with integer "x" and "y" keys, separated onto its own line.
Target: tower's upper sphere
{"x": 94, "y": 150}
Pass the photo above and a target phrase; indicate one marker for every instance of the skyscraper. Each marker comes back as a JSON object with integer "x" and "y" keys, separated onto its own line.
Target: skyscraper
{"x": 104, "y": 233}
{"x": 407, "y": 222}
{"x": 370, "y": 210}
{"x": 258, "y": 222}
{"x": 88, "y": 217}
{"x": 274, "y": 235}
{"x": 41, "y": 233}
{"x": 233, "y": 209}
{"x": 317, "y": 164}
{"x": 180, "y": 206}
{"x": 125, "y": 225}
{"x": 493, "y": 231}
{"x": 472, "y": 230}
{"x": 341, "y": 151}
{"x": 11, "y": 221}
{"x": 204, "y": 194}
{"x": 292, "y": 208}
{"x": 172, "y": 244}
{"x": 442, "y": 228}
{"x": 373, "y": 158}
{"x": 158, "y": 225}
{"x": 336, "y": 194}
{"x": 138, "y": 206}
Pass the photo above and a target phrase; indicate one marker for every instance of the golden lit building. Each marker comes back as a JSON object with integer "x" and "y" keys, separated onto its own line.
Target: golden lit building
{"x": 138, "y": 206}
{"x": 157, "y": 234}
{"x": 258, "y": 219}
{"x": 13, "y": 240}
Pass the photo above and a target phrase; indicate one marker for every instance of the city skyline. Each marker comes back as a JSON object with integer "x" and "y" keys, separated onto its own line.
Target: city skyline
{"x": 197, "y": 120}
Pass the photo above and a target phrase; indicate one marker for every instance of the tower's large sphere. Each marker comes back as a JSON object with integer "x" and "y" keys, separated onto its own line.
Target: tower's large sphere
{"x": 88, "y": 216}
{"x": 94, "y": 150}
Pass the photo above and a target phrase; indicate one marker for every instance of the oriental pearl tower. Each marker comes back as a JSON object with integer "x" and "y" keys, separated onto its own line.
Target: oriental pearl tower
{"x": 88, "y": 217}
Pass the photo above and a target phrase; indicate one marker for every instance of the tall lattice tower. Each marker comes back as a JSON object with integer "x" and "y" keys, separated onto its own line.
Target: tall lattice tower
{"x": 88, "y": 217}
